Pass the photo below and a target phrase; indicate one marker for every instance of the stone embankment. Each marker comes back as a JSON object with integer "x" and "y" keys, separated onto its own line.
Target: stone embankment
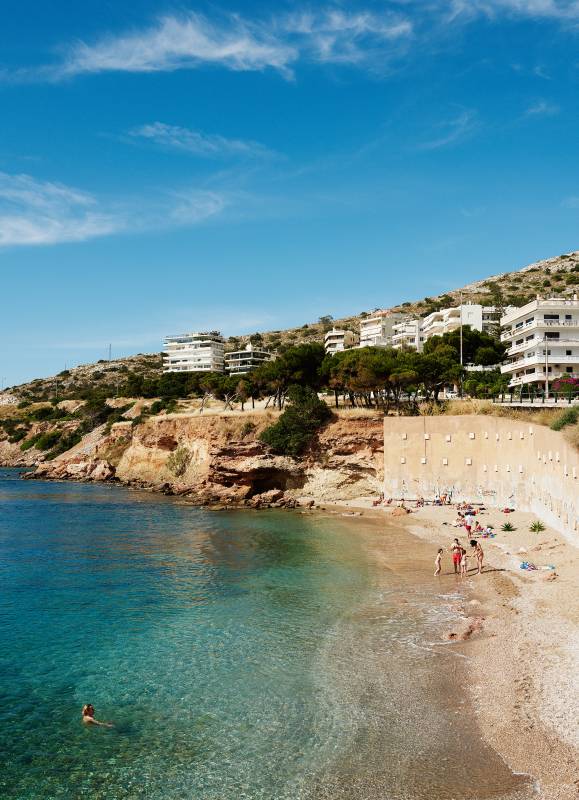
{"x": 219, "y": 460}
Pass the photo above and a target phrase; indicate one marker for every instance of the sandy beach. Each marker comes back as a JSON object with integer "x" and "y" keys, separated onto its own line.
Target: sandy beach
{"x": 520, "y": 632}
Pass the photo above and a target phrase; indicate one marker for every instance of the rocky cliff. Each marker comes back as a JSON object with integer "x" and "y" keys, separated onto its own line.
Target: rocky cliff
{"x": 219, "y": 459}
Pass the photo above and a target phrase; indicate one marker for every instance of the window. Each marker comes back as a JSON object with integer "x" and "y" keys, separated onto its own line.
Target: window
{"x": 551, "y": 335}
{"x": 527, "y": 321}
{"x": 568, "y": 316}
{"x": 568, "y": 352}
{"x": 569, "y": 369}
{"x": 551, "y": 317}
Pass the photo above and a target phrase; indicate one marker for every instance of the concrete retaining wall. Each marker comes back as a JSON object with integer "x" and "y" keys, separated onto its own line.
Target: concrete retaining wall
{"x": 484, "y": 459}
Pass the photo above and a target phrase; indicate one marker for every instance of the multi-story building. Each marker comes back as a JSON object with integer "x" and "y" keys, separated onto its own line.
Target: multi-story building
{"x": 377, "y": 330}
{"x": 479, "y": 318}
{"x": 337, "y": 340}
{"x": 194, "y": 352}
{"x": 543, "y": 340}
{"x": 407, "y": 334}
{"x": 240, "y": 362}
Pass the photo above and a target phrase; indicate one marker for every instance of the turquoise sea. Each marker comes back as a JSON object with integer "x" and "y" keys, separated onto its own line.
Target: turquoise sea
{"x": 259, "y": 655}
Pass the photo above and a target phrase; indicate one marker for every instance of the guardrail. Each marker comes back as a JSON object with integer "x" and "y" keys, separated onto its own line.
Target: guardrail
{"x": 554, "y": 399}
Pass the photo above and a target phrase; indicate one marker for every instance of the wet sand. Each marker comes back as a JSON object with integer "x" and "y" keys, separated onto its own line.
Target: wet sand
{"x": 521, "y": 637}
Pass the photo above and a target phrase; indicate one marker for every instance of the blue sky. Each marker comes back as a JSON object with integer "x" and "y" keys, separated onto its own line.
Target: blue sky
{"x": 253, "y": 165}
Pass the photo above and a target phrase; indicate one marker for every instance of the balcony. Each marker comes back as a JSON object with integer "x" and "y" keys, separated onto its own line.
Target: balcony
{"x": 539, "y": 323}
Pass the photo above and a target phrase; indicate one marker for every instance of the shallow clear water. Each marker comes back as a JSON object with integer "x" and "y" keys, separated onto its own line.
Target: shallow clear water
{"x": 240, "y": 655}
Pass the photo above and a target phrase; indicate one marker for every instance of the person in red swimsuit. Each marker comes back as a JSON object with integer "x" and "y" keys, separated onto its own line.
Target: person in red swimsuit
{"x": 456, "y": 551}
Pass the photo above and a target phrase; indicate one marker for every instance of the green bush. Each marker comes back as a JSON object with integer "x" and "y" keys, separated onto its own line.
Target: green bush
{"x": 508, "y": 527}
{"x": 178, "y": 461}
{"x": 46, "y": 441}
{"x": 247, "y": 428}
{"x": 568, "y": 417}
{"x": 65, "y": 443}
{"x": 28, "y": 443}
{"x": 537, "y": 526}
{"x": 18, "y": 435}
{"x": 296, "y": 427}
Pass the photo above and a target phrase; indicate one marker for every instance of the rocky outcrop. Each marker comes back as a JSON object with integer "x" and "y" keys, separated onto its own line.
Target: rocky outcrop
{"x": 219, "y": 460}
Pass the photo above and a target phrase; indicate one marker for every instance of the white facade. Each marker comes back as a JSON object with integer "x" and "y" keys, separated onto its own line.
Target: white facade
{"x": 543, "y": 340}
{"x": 378, "y": 329}
{"x": 407, "y": 334}
{"x": 194, "y": 352}
{"x": 479, "y": 318}
{"x": 240, "y": 362}
{"x": 337, "y": 340}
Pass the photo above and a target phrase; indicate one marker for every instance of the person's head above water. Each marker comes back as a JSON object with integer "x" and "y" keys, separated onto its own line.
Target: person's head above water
{"x": 88, "y": 710}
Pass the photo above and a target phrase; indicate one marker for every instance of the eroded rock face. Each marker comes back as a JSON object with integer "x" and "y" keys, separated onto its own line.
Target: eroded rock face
{"x": 212, "y": 461}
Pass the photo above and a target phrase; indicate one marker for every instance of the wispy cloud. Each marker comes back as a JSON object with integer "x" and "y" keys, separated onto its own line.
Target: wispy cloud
{"x": 186, "y": 140}
{"x": 542, "y": 108}
{"x": 338, "y": 36}
{"x": 182, "y": 42}
{"x": 191, "y": 40}
{"x": 36, "y": 212}
{"x": 570, "y": 202}
{"x": 452, "y": 131}
{"x": 541, "y": 9}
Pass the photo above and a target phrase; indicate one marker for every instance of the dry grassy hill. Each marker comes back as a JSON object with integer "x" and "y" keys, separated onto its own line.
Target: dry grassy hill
{"x": 558, "y": 276}
{"x": 554, "y": 276}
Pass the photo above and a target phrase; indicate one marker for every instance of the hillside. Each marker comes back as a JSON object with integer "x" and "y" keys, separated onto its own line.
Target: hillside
{"x": 553, "y": 276}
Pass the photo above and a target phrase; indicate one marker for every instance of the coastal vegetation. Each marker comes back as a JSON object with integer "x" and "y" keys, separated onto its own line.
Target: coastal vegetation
{"x": 296, "y": 427}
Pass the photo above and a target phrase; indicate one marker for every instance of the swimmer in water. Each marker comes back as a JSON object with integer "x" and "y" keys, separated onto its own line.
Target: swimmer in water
{"x": 88, "y": 717}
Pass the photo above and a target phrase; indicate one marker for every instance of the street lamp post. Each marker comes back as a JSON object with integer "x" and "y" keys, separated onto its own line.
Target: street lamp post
{"x": 546, "y": 368}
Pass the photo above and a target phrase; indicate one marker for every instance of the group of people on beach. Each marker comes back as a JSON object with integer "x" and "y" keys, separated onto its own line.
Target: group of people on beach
{"x": 460, "y": 558}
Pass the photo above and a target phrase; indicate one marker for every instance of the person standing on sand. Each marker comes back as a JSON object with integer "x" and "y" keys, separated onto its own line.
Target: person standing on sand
{"x": 88, "y": 717}
{"x": 456, "y": 551}
{"x": 463, "y": 563}
{"x": 438, "y": 561}
{"x": 479, "y": 554}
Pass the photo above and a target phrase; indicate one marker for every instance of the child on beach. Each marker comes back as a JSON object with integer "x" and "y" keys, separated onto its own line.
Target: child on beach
{"x": 463, "y": 563}
{"x": 456, "y": 551}
{"x": 438, "y": 561}
{"x": 479, "y": 554}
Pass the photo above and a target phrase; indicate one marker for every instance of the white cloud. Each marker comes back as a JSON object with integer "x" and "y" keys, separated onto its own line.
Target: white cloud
{"x": 452, "y": 130}
{"x": 553, "y": 9}
{"x": 190, "y": 40}
{"x": 542, "y": 108}
{"x": 337, "y": 36}
{"x": 181, "y": 43}
{"x": 197, "y": 143}
{"x": 36, "y": 212}
{"x": 571, "y": 202}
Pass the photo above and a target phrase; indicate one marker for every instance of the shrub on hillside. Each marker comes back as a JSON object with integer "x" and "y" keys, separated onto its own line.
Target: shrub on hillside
{"x": 47, "y": 440}
{"x": 296, "y": 427}
{"x": 568, "y": 417}
{"x": 178, "y": 461}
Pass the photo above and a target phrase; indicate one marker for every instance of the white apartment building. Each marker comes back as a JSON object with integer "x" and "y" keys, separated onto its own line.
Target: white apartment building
{"x": 194, "y": 352}
{"x": 337, "y": 340}
{"x": 407, "y": 334}
{"x": 377, "y": 330}
{"x": 543, "y": 340}
{"x": 479, "y": 318}
{"x": 240, "y": 362}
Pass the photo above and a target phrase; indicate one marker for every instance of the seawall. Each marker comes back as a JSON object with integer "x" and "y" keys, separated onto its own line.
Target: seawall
{"x": 484, "y": 459}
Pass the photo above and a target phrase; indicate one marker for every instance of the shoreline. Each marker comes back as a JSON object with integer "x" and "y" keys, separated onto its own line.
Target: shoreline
{"x": 521, "y": 639}
{"x": 524, "y": 659}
